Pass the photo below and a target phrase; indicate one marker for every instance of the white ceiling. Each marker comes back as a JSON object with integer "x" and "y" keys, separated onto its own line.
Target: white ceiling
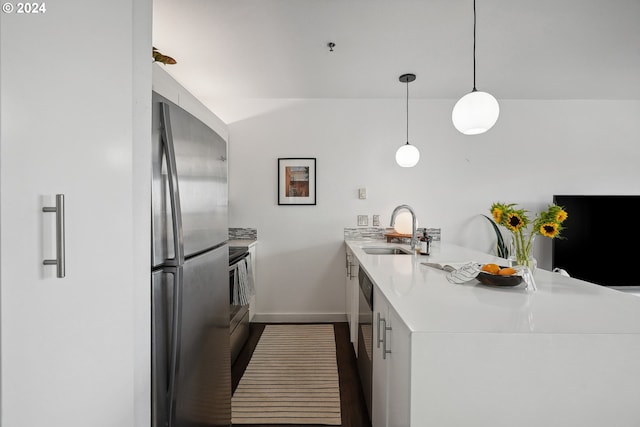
{"x": 238, "y": 52}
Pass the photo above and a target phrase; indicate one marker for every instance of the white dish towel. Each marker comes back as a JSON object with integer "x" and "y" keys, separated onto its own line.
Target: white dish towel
{"x": 243, "y": 286}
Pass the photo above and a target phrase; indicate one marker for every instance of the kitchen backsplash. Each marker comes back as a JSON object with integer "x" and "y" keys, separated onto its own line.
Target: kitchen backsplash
{"x": 243, "y": 233}
{"x": 377, "y": 233}
{"x": 350, "y": 233}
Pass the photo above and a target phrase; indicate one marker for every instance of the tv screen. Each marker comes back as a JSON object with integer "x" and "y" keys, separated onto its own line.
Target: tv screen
{"x": 598, "y": 240}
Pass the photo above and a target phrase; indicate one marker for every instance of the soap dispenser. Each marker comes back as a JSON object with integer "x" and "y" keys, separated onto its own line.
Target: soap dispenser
{"x": 425, "y": 243}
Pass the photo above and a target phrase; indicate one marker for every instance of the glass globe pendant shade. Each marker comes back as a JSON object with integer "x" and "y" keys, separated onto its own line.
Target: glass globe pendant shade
{"x": 407, "y": 156}
{"x": 475, "y": 113}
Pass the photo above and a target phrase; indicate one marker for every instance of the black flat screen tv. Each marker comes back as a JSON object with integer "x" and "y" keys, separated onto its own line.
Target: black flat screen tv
{"x": 599, "y": 239}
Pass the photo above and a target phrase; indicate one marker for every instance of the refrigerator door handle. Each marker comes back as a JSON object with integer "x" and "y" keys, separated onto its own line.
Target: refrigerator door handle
{"x": 174, "y": 192}
{"x": 174, "y": 354}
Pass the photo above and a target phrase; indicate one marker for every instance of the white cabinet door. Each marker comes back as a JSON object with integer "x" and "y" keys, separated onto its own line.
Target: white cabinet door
{"x": 75, "y": 85}
{"x": 348, "y": 299}
{"x": 391, "y": 367}
{"x": 254, "y": 261}
{"x": 352, "y": 297}
{"x": 399, "y": 372}
{"x": 379, "y": 403}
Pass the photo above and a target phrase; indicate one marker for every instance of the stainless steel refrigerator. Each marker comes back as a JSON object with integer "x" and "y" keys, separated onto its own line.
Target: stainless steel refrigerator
{"x": 191, "y": 368}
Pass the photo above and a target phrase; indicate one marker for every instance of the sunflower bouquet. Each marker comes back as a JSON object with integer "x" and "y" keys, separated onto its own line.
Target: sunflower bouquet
{"x": 547, "y": 223}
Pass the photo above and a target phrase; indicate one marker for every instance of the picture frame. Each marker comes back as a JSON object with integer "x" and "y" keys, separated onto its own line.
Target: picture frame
{"x": 296, "y": 181}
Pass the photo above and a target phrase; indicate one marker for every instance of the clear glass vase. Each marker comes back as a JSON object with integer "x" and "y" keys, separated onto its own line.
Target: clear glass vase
{"x": 521, "y": 251}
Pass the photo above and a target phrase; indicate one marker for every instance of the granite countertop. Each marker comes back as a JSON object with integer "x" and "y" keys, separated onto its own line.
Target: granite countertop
{"x": 427, "y": 302}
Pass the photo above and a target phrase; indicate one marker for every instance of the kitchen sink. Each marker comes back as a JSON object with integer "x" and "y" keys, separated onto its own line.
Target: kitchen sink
{"x": 385, "y": 250}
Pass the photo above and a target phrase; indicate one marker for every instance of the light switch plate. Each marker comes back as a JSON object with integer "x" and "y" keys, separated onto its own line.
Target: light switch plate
{"x": 362, "y": 193}
{"x": 363, "y": 220}
{"x": 376, "y": 220}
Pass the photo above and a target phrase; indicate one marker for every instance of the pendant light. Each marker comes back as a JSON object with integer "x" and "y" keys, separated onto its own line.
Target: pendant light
{"x": 407, "y": 155}
{"x": 477, "y": 111}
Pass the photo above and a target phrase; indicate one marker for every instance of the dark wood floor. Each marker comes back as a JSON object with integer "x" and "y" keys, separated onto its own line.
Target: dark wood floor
{"x": 352, "y": 405}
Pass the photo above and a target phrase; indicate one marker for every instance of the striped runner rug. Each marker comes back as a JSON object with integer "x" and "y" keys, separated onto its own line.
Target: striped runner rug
{"x": 292, "y": 378}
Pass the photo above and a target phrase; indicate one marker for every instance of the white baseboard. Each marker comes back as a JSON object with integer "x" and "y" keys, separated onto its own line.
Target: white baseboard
{"x": 299, "y": 317}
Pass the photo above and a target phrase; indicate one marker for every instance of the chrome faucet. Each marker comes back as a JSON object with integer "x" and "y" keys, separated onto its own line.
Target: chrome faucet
{"x": 414, "y": 239}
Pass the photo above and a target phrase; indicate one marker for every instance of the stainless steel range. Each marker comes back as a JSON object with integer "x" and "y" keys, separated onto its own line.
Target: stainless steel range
{"x": 239, "y": 314}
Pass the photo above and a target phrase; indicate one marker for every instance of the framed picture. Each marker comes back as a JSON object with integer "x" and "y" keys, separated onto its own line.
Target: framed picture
{"x": 296, "y": 181}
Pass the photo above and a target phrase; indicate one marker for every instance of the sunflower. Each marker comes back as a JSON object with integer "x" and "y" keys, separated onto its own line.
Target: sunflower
{"x": 496, "y": 212}
{"x": 561, "y": 215}
{"x": 514, "y": 221}
{"x": 549, "y": 229}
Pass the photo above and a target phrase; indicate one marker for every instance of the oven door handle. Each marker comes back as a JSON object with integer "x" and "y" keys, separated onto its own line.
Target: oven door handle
{"x": 238, "y": 261}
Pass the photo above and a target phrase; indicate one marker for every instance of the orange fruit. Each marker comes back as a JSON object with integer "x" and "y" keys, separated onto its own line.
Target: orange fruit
{"x": 507, "y": 271}
{"x": 491, "y": 268}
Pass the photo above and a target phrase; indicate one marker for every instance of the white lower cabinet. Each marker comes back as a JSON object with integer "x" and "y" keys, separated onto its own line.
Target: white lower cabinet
{"x": 351, "y": 297}
{"x": 471, "y": 356}
{"x": 252, "y": 302}
{"x": 391, "y": 388}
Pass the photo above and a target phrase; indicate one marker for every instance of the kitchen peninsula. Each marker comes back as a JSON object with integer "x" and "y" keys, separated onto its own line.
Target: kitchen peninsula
{"x": 566, "y": 354}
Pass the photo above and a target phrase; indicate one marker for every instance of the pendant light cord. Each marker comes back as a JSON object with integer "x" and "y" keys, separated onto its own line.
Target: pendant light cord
{"x": 407, "y": 111}
{"x": 474, "y": 46}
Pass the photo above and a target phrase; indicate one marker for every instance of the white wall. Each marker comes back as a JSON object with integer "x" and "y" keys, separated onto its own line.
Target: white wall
{"x": 537, "y": 149}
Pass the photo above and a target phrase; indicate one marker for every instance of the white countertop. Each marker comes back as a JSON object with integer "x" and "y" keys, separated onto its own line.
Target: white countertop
{"x": 241, "y": 242}
{"x": 427, "y": 302}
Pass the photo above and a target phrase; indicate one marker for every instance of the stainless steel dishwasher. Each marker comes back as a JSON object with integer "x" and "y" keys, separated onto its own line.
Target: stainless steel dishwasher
{"x": 365, "y": 335}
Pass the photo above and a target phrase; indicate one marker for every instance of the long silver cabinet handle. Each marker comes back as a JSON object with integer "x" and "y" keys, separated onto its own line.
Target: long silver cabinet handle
{"x": 351, "y": 269}
{"x": 385, "y": 351}
{"x": 59, "y": 262}
{"x": 347, "y": 264}
{"x": 378, "y": 339}
{"x": 176, "y": 211}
